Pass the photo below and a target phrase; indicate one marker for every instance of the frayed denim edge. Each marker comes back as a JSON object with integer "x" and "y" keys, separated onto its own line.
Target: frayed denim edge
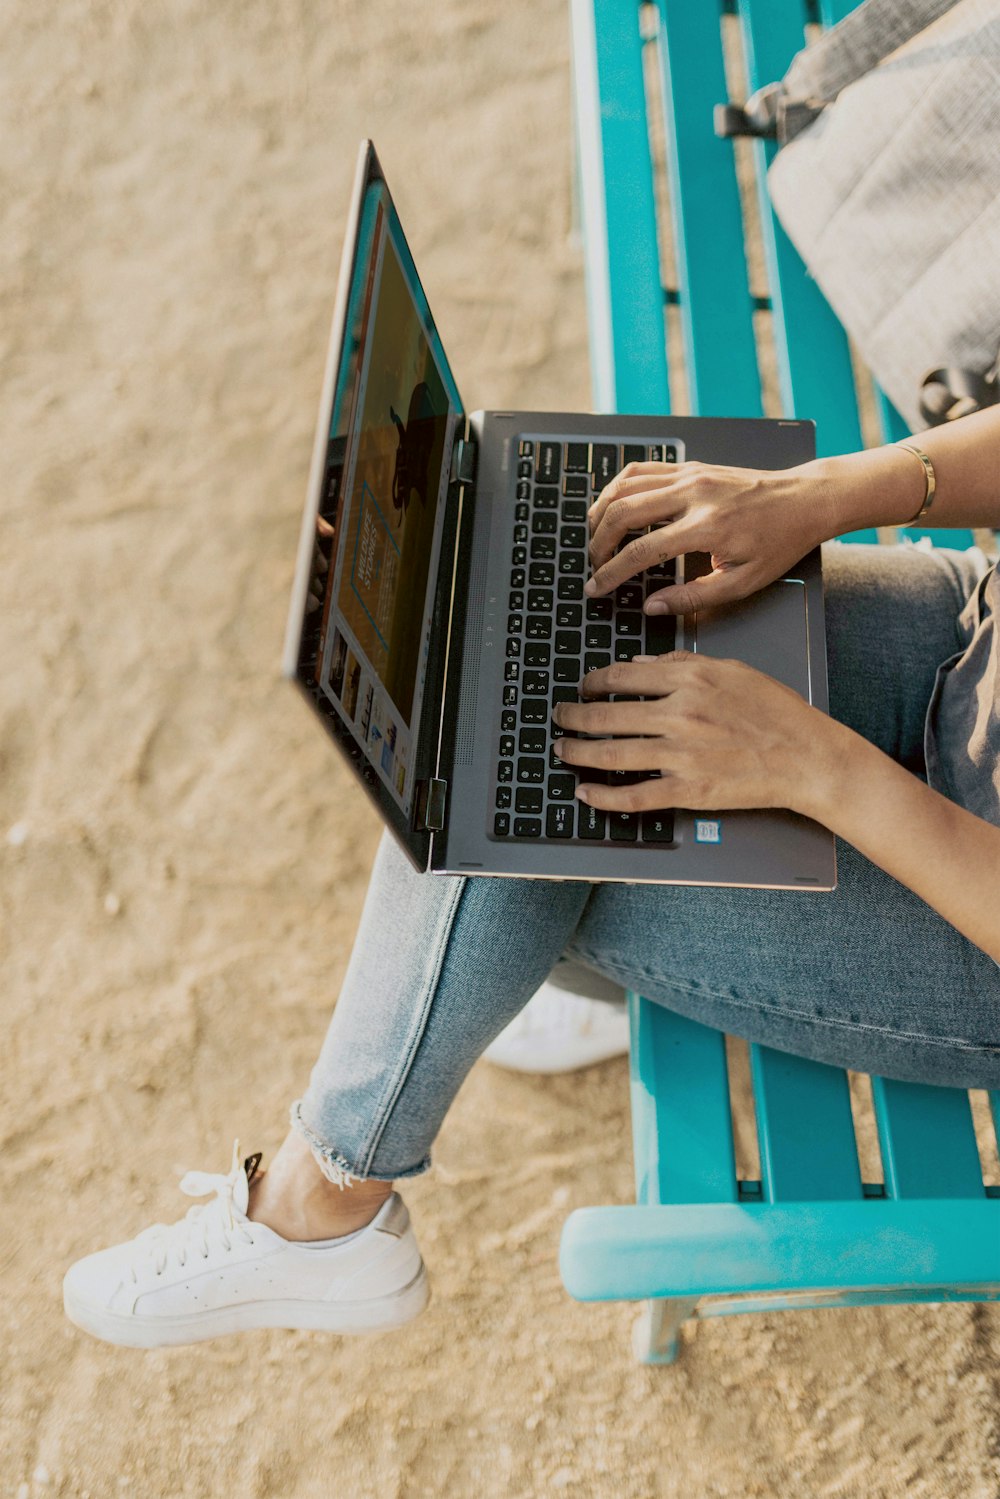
{"x": 337, "y": 1168}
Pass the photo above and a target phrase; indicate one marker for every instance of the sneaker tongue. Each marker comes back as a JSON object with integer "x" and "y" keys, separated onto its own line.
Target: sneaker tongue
{"x": 251, "y": 1163}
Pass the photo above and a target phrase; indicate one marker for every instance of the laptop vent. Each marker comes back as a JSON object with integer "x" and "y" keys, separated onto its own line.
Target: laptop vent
{"x": 465, "y": 734}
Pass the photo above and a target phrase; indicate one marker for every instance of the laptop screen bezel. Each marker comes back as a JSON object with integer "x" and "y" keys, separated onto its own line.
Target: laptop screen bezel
{"x": 426, "y": 730}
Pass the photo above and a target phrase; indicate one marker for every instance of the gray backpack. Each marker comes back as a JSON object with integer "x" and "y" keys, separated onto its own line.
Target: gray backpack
{"x": 888, "y": 184}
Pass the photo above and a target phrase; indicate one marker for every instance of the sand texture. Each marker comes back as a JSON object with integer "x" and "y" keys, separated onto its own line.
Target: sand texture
{"x": 183, "y": 857}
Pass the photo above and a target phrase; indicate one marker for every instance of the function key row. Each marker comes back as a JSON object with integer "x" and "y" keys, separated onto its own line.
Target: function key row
{"x": 580, "y": 463}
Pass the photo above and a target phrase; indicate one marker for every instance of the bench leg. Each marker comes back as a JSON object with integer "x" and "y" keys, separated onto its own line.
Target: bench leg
{"x": 654, "y": 1335}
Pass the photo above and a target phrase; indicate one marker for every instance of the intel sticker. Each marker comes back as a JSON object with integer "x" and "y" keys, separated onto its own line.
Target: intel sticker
{"x": 706, "y": 831}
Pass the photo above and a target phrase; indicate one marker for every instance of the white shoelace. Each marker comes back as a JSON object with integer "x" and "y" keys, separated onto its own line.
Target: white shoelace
{"x": 222, "y": 1219}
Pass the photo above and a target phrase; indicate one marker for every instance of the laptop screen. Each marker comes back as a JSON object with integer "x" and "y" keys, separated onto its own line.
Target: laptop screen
{"x": 380, "y": 512}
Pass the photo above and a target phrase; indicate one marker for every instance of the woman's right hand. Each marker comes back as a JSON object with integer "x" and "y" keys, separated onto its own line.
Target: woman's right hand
{"x": 754, "y": 523}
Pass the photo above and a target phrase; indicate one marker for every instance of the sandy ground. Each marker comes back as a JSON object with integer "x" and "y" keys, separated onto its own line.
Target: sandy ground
{"x": 185, "y": 860}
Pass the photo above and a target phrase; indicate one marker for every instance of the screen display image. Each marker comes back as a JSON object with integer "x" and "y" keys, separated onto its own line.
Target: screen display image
{"x": 381, "y": 508}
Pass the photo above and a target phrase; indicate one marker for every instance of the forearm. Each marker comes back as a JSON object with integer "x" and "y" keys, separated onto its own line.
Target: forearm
{"x": 947, "y": 856}
{"x": 884, "y": 486}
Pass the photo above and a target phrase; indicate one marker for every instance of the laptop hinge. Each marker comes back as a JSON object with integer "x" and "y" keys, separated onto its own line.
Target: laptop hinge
{"x": 463, "y": 461}
{"x": 430, "y": 804}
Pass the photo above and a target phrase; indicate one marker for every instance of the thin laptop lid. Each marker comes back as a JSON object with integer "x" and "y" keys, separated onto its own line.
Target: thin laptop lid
{"x": 365, "y": 639}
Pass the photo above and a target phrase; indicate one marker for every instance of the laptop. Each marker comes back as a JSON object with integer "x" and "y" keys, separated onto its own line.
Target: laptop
{"x": 438, "y": 611}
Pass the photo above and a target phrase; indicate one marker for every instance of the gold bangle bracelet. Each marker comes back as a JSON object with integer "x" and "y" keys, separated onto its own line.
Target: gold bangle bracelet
{"x": 930, "y": 481}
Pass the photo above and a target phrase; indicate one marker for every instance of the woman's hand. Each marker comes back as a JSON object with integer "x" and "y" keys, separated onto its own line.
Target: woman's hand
{"x": 721, "y": 734}
{"x": 755, "y": 523}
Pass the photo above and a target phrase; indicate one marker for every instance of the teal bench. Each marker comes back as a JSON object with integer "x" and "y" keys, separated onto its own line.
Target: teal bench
{"x": 810, "y": 1232}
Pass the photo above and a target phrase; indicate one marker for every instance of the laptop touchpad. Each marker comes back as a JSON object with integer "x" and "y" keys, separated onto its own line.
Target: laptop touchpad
{"x": 768, "y": 631}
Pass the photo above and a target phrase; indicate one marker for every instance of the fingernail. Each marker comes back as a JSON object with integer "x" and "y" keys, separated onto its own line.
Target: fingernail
{"x": 557, "y": 746}
{"x": 583, "y": 794}
{"x": 655, "y": 607}
{"x": 643, "y": 658}
{"x": 590, "y": 587}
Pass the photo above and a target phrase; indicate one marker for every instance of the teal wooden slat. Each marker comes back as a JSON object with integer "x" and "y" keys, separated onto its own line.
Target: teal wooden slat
{"x": 805, "y": 1129}
{"x": 706, "y": 1249}
{"x": 814, "y": 362}
{"x": 716, "y": 312}
{"x": 627, "y": 335}
{"x": 681, "y": 1121}
{"x": 927, "y": 1140}
{"x": 995, "y": 1106}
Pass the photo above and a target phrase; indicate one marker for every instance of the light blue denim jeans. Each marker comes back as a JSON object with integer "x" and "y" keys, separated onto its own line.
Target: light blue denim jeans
{"x": 867, "y": 977}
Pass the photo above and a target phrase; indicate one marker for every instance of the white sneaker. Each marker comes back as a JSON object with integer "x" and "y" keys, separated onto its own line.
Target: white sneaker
{"x": 560, "y": 1032}
{"x": 216, "y": 1272}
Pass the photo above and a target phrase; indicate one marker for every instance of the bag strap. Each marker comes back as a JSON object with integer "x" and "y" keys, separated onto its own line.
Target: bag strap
{"x": 857, "y": 44}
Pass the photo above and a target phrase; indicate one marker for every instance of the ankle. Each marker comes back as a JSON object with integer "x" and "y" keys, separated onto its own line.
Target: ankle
{"x": 295, "y": 1199}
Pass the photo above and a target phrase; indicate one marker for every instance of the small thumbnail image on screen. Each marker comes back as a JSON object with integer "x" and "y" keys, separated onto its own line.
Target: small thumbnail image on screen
{"x": 352, "y": 681}
{"x": 338, "y": 661}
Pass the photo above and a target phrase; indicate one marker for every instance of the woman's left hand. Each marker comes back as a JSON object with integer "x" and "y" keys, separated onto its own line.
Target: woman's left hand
{"x": 721, "y": 734}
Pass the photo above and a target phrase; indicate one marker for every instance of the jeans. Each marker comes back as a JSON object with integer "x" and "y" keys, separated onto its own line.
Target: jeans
{"x": 866, "y": 977}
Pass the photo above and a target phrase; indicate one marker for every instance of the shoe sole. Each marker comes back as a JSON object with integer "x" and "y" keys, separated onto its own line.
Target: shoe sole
{"x": 375, "y": 1315}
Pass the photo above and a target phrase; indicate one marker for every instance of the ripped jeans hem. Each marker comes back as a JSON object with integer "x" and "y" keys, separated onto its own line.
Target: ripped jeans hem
{"x": 337, "y": 1168}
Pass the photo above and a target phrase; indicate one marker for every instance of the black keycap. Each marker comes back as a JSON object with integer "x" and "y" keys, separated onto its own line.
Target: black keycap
{"x": 540, "y": 574}
{"x": 576, "y": 488}
{"x": 574, "y": 510}
{"x": 528, "y": 799}
{"x": 539, "y": 600}
{"x": 566, "y": 669}
{"x": 570, "y": 588}
{"x": 600, "y": 608}
{"x": 537, "y": 653}
{"x": 670, "y": 453}
{"x": 509, "y": 697}
{"x": 536, "y": 683}
{"x": 503, "y": 797}
{"x": 603, "y": 463}
{"x": 514, "y": 624}
{"x": 572, "y": 563}
{"x": 656, "y": 453}
{"x": 522, "y": 510}
{"x": 531, "y": 770}
{"x": 565, "y": 695}
{"x": 626, "y": 649}
{"x": 521, "y": 532}
{"x": 508, "y": 719}
{"x": 543, "y": 546}
{"x": 518, "y": 557}
{"x": 524, "y": 469}
{"x": 573, "y": 536}
{"x": 516, "y": 599}
{"x": 568, "y": 642}
{"x": 517, "y": 578}
{"x": 624, "y": 827}
{"x": 530, "y": 742}
{"x": 660, "y": 574}
{"x": 535, "y": 710}
{"x": 559, "y": 822}
{"x": 549, "y": 458}
{"x": 523, "y": 490}
{"x": 578, "y": 457}
{"x": 562, "y": 788}
{"x": 629, "y": 596}
{"x": 629, "y": 624}
{"x": 505, "y": 770}
{"x": 512, "y": 669}
{"x": 513, "y": 649}
{"x": 507, "y": 745}
{"x": 555, "y": 763}
{"x": 546, "y": 499}
{"x": 597, "y": 637}
{"x": 569, "y": 616}
{"x": 595, "y": 660}
{"x": 657, "y": 827}
{"x": 501, "y": 824}
{"x": 591, "y": 822}
{"x": 526, "y": 449}
{"x": 539, "y": 626}
{"x": 544, "y": 523}
{"x": 633, "y": 453}
{"x": 527, "y": 827}
{"x": 661, "y": 633}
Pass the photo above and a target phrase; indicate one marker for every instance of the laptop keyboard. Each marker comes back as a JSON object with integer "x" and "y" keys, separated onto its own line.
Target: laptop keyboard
{"x": 555, "y": 634}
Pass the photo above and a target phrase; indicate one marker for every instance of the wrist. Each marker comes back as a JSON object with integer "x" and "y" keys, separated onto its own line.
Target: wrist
{"x": 874, "y": 487}
{"x": 836, "y": 761}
